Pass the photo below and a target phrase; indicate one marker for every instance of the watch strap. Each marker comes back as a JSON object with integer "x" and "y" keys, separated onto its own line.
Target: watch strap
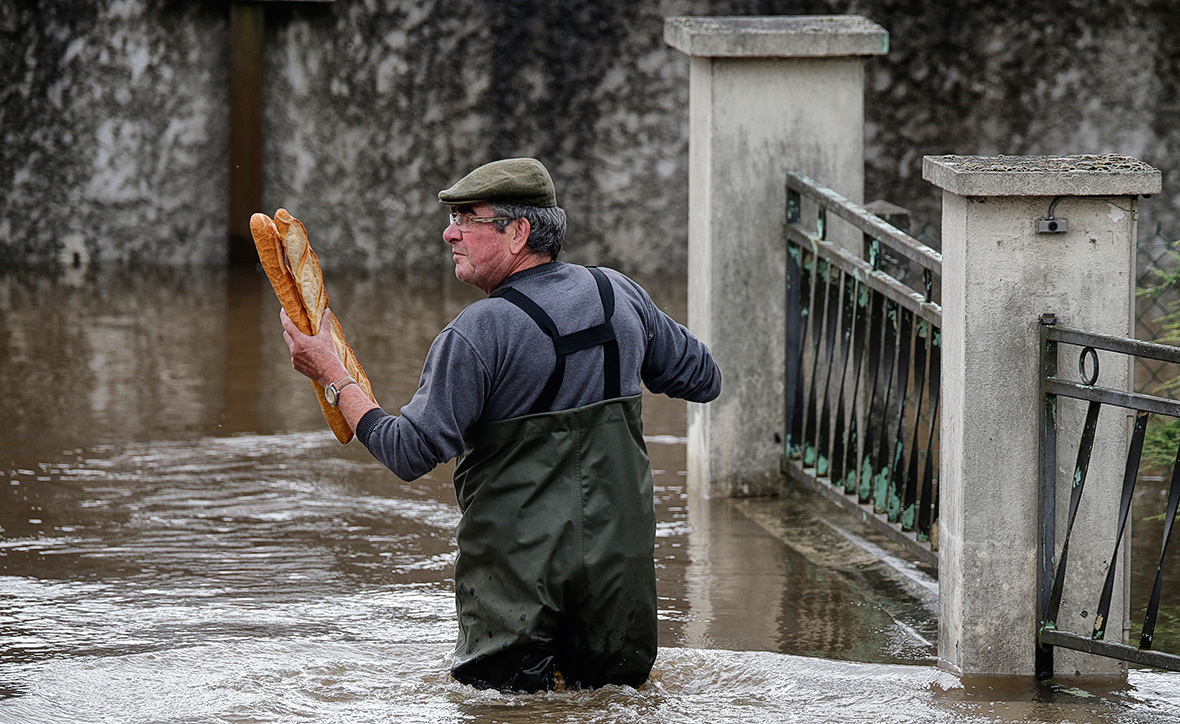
{"x": 337, "y": 387}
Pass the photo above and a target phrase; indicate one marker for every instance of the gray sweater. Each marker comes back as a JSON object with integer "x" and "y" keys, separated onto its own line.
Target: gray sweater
{"x": 491, "y": 362}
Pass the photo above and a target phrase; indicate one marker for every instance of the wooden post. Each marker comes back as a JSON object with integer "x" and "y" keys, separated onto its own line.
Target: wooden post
{"x": 245, "y": 127}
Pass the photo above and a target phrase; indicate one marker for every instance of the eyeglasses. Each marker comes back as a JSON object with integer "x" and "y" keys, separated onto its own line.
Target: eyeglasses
{"x": 467, "y": 221}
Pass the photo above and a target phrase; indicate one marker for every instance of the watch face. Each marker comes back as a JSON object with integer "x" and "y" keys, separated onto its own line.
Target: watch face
{"x": 330, "y": 394}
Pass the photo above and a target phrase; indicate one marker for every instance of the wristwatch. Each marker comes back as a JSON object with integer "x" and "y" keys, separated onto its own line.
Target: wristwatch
{"x": 332, "y": 391}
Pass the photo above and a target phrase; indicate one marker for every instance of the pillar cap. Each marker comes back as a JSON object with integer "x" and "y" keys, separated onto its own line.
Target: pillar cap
{"x": 1082, "y": 175}
{"x": 781, "y": 36}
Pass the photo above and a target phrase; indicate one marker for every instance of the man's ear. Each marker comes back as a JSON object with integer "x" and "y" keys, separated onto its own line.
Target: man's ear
{"x": 520, "y": 235}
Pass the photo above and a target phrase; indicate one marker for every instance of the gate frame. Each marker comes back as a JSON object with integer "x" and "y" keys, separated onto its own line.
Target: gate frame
{"x": 1050, "y": 575}
{"x": 919, "y": 537}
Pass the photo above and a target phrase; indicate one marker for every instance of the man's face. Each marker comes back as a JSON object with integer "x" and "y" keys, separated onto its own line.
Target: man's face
{"x": 481, "y": 251}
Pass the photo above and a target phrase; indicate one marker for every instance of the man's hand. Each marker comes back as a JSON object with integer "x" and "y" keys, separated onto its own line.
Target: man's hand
{"x": 313, "y": 356}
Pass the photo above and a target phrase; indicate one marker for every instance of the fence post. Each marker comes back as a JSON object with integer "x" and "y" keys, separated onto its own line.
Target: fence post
{"x": 766, "y": 96}
{"x": 999, "y": 276}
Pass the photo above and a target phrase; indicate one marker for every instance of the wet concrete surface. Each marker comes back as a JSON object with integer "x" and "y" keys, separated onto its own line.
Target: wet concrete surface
{"x": 183, "y": 540}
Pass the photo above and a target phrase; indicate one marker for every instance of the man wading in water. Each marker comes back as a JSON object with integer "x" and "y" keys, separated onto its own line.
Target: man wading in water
{"x": 536, "y": 389}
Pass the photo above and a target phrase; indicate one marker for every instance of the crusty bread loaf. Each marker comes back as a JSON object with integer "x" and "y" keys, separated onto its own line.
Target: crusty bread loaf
{"x": 274, "y": 263}
{"x": 305, "y": 264}
{"x": 294, "y": 271}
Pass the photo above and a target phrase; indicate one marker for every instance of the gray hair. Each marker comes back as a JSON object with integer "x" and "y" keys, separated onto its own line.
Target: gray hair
{"x": 547, "y": 225}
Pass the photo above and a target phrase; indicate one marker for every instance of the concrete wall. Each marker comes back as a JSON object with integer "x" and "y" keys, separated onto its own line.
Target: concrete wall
{"x": 113, "y": 115}
{"x": 785, "y": 95}
{"x": 113, "y": 131}
{"x": 999, "y": 276}
{"x": 737, "y": 268}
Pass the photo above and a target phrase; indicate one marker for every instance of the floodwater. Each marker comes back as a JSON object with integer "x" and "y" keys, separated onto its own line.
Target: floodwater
{"x": 183, "y": 540}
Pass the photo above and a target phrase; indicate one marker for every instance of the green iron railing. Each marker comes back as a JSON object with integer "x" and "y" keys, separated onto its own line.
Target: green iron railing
{"x": 863, "y": 366}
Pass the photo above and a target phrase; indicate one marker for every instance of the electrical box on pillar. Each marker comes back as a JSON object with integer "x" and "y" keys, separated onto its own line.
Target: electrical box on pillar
{"x": 1051, "y": 224}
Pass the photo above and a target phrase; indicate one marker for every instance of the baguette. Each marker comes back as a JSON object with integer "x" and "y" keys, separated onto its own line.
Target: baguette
{"x": 301, "y": 257}
{"x": 294, "y": 271}
{"x": 270, "y": 253}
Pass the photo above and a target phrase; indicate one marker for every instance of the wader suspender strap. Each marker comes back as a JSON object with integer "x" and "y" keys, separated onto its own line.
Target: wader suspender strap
{"x": 564, "y": 344}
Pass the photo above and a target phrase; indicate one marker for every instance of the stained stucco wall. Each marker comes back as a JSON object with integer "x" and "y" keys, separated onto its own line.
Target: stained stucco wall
{"x": 113, "y": 131}
{"x": 113, "y": 115}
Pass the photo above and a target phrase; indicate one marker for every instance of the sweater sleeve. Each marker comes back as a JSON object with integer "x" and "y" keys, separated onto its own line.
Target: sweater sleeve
{"x": 429, "y": 430}
{"x": 675, "y": 362}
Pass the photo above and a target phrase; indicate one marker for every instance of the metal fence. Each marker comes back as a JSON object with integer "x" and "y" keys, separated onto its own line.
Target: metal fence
{"x": 1157, "y": 262}
{"x": 1053, "y": 566}
{"x": 1152, "y": 468}
{"x": 863, "y": 366}
{"x": 863, "y": 335}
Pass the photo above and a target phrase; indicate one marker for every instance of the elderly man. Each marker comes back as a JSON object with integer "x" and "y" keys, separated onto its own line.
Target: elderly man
{"x": 536, "y": 390}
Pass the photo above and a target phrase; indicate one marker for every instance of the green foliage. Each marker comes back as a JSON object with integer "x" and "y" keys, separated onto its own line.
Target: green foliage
{"x": 1160, "y": 444}
{"x": 1163, "y": 433}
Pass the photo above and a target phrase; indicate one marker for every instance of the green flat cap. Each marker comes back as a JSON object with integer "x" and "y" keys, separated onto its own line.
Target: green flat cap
{"x": 515, "y": 180}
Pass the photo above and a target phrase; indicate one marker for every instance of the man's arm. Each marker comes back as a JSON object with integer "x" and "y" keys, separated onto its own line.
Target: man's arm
{"x": 315, "y": 358}
{"x": 430, "y": 429}
{"x": 678, "y": 364}
{"x": 675, "y": 362}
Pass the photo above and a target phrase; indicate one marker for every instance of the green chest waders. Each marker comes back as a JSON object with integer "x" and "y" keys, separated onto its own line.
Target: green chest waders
{"x": 555, "y": 569}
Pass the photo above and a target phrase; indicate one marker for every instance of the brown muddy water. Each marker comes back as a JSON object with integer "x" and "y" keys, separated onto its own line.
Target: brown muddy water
{"x": 183, "y": 540}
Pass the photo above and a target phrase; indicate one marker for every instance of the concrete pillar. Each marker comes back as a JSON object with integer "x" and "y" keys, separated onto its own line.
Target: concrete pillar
{"x": 999, "y": 276}
{"x": 766, "y": 96}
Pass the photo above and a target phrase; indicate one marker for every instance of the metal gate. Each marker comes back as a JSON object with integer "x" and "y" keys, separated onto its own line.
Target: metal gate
{"x": 863, "y": 367}
{"x": 1052, "y": 567}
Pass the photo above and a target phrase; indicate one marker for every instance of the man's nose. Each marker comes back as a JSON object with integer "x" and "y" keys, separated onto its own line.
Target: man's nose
{"x": 451, "y": 234}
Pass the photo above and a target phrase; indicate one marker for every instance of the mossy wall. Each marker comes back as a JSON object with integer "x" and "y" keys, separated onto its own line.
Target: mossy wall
{"x": 114, "y": 115}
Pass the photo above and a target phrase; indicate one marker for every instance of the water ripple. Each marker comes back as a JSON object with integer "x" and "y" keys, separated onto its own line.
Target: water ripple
{"x": 286, "y": 579}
